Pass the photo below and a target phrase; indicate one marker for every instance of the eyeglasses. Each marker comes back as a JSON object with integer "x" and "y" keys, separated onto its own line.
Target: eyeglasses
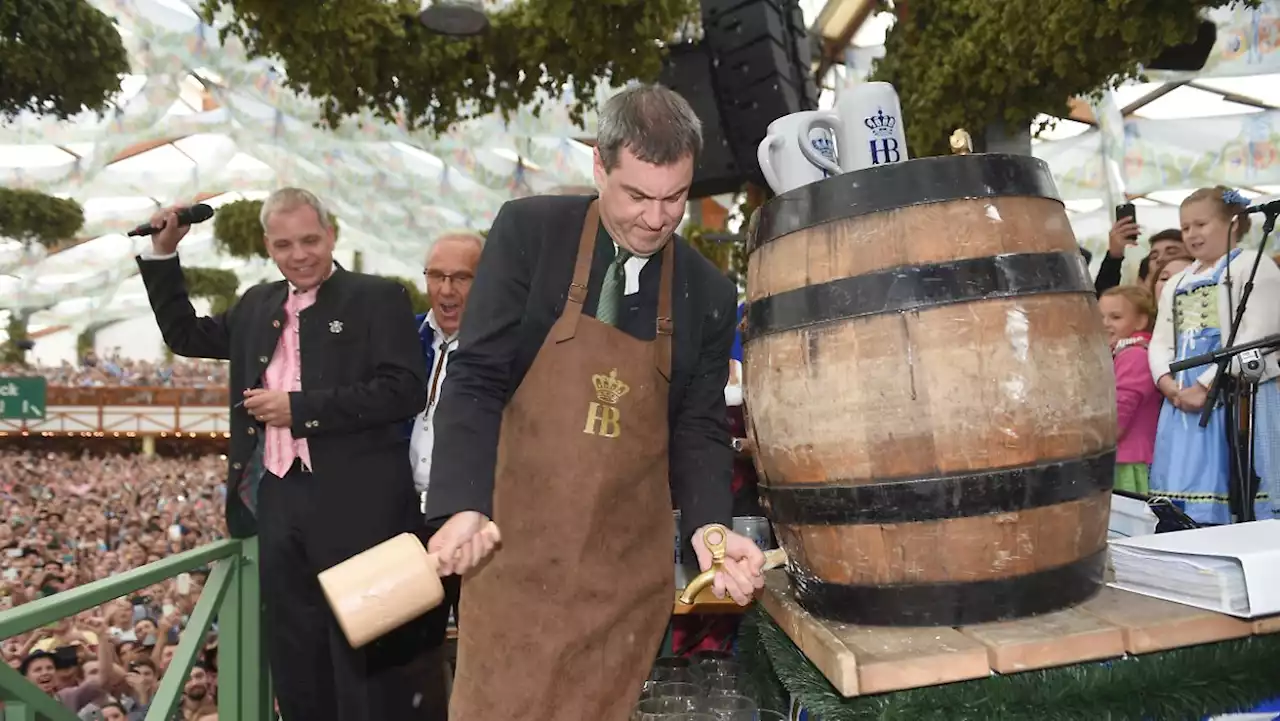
{"x": 435, "y": 277}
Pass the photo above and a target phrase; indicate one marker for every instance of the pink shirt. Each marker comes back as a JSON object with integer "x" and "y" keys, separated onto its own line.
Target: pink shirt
{"x": 284, "y": 373}
{"x": 1137, "y": 401}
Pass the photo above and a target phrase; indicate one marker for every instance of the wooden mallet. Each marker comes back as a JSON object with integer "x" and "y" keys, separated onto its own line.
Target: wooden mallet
{"x": 385, "y": 587}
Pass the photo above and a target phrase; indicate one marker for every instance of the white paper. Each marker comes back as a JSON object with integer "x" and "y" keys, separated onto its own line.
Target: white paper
{"x": 1231, "y": 569}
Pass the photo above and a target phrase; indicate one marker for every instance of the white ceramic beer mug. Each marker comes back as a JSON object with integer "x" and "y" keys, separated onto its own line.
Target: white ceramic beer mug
{"x": 783, "y": 164}
{"x": 867, "y": 126}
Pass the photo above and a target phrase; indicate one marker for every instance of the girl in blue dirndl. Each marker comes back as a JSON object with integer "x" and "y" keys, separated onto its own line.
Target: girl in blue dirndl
{"x": 1193, "y": 466}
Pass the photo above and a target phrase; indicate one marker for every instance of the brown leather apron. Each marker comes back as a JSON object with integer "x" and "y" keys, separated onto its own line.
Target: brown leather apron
{"x": 564, "y": 621}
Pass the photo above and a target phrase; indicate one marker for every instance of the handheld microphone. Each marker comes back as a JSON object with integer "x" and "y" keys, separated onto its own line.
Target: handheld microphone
{"x": 187, "y": 216}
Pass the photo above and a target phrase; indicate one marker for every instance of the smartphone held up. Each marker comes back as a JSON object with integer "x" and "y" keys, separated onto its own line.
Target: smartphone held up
{"x": 1128, "y": 212}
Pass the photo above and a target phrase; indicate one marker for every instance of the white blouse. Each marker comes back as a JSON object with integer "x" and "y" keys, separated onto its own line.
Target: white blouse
{"x": 1261, "y": 318}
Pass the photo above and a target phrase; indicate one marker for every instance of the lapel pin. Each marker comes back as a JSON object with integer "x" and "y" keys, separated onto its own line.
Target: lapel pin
{"x": 335, "y": 326}
{"x": 275, "y": 324}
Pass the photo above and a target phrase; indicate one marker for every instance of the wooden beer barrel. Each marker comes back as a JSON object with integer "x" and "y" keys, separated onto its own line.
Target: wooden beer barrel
{"x": 930, "y": 393}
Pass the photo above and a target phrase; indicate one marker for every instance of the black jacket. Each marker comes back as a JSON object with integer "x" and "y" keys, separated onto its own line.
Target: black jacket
{"x": 362, "y": 375}
{"x": 520, "y": 289}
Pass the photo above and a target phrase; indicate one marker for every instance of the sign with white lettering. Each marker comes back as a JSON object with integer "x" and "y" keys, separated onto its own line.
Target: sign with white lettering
{"x": 23, "y": 399}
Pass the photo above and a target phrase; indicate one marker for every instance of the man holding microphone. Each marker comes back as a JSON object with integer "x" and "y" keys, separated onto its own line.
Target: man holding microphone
{"x": 325, "y": 368}
{"x": 586, "y": 393}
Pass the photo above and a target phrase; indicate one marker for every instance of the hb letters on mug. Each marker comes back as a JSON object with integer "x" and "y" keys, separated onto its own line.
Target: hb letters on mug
{"x": 785, "y": 158}
{"x": 867, "y": 126}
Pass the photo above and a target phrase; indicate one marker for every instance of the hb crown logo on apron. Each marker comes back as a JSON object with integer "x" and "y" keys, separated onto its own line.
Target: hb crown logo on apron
{"x": 604, "y": 418}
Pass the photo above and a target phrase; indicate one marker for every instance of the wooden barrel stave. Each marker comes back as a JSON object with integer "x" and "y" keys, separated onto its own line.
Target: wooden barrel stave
{"x": 930, "y": 394}
{"x": 848, "y": 420}
{"x": 906, "y": 237}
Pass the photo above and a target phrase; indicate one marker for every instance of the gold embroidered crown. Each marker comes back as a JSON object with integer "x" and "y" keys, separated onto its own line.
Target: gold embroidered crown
{"x": 608, "y": 388}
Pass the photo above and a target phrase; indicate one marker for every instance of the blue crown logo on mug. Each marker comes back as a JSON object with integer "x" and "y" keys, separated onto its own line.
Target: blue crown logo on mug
{"x": 827, "y": 147}
{"x": 881, "y": 125}
{"x": 884, "y": 143}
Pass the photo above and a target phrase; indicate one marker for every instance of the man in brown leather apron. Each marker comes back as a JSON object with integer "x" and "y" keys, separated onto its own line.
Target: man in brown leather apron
{"x": 586, "y": 392}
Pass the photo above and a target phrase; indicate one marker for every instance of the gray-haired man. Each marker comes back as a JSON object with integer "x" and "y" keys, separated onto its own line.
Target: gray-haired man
{"x": 325, "y": 367}
{"x": 586, "y": 391}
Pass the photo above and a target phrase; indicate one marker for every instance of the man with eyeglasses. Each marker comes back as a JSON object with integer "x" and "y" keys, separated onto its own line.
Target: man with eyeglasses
{"x": 449, "y": 270}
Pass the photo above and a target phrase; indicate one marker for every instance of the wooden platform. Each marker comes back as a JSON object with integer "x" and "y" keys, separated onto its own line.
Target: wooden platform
{"x": 861, "y": 660}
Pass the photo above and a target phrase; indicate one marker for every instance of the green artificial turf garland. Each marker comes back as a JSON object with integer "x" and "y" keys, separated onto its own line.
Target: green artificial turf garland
{"x": 1183, "y": 684}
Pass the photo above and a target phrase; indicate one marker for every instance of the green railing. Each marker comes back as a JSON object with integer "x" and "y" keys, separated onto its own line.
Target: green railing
{"x": 230, "y": 595}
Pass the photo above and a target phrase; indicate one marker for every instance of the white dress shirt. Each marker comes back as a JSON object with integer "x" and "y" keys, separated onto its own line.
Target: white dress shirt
{"x": 423, "y": 438}
{"x": 631, "y": 271}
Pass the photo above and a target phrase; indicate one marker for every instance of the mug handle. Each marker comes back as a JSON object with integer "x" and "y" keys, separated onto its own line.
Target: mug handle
{"x": 832, "y": 124}
{"x": 763, "y": 154}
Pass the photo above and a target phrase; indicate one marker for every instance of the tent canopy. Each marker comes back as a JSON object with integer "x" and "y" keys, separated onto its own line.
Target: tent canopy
{"x": 199, "y": 121}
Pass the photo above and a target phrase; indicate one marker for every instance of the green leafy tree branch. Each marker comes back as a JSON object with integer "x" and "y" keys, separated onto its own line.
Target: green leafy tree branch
{"x": 374, "y": 55}
{"x": 975, "y": 63}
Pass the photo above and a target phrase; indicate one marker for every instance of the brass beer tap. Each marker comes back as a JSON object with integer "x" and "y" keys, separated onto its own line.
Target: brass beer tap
{"x": 714, "y": 537}
{"x": 961, "y": 142}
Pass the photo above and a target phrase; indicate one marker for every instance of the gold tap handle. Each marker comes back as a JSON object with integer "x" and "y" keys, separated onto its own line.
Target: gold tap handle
{"x": 772, "y": 559}
{"x": 961, "y": 142}
{"x": 714, "y": 537}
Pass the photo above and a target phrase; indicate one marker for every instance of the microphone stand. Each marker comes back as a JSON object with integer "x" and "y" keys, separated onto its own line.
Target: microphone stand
{"x": 1239, "y": 494}
{"x": 1252, "y": 365}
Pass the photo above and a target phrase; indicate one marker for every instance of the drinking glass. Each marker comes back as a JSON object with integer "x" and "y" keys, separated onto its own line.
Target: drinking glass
{"x": 675, "y": 675}
{"x": 661, "y": 709}
{"x": 731, "y": 708}
{"x": 711, "y": 654}
{"x": 660, "y": 689}
{"x": 721, "y": 685}
{"x": 668, "y": 662}
{"x": 719, "y": 667}
{"x": 767, "y": 715}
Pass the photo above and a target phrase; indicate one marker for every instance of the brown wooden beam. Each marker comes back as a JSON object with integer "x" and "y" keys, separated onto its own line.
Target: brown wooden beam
{"x": 1081, "y": 112}
{"x": 140, "y": 148}
{"x": 47, "y": 331}
{"x": 834, "y": 47}
{"x": 1232, "y": 97}
{"x": 1150, "y": 97}
{"x": 208, "y": 102}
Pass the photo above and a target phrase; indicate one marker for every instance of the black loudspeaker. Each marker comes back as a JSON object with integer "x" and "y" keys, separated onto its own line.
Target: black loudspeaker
{"x": 688, "y": 72}
{"x": 1191, "y": 56}
{"x": 761, "y": 54}
{"x": 751, "y": 68}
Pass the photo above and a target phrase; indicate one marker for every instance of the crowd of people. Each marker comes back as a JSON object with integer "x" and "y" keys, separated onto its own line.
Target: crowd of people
{"x": 1183, "y": 304}
{"x": 113, "y": 369}
{"x": 67, "y": 520}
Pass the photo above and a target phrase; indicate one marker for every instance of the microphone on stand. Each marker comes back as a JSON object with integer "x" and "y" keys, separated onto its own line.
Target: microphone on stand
{"x": 1268, "y": 206}
{"x": 187, "y": 216}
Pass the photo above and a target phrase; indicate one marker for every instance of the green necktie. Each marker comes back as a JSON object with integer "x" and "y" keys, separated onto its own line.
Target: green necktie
{"x": 615, "y": 279}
